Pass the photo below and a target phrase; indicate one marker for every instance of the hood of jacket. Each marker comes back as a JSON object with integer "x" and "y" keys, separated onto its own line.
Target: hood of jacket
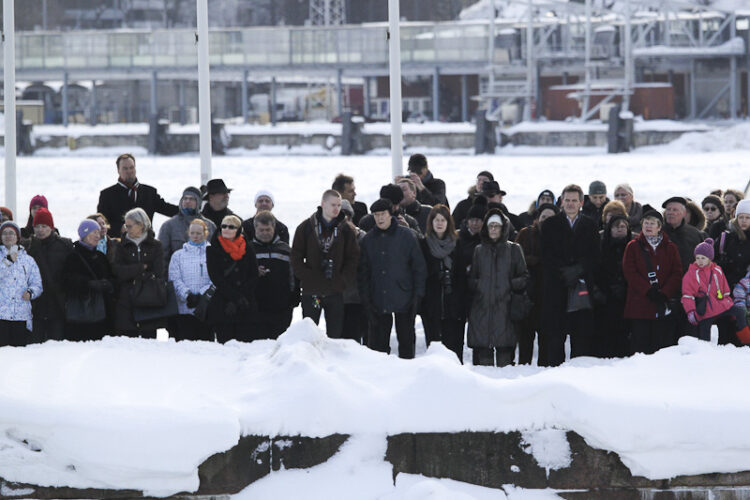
{"x": 485, "y": 236}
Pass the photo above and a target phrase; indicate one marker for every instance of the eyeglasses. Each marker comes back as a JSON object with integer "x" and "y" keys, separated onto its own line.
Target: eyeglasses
{"x": 710, "y": 208}
{"x": 228, "y": 226}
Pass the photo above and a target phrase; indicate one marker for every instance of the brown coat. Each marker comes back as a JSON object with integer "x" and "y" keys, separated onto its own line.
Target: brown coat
{"x": 308, "y": 256}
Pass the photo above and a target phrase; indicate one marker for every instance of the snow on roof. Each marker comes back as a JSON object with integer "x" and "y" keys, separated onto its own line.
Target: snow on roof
{"x": 735, "y": 46}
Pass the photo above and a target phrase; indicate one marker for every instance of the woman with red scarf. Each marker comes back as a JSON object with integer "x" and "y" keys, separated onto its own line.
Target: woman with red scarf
{"x": 234, "y": 271}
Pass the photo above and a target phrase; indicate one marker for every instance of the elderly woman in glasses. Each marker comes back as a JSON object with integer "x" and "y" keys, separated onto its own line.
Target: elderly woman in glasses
{"x": 234, "y": 271}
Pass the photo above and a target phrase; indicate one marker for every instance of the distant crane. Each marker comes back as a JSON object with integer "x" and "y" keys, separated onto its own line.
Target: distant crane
{"x": 327, "y": 12}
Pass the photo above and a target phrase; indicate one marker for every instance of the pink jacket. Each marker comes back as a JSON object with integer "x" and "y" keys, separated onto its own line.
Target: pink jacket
{"x": 695, "y": 283}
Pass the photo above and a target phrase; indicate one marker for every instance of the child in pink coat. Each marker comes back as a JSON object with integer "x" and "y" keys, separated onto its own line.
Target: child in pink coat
{"x": 704, "y": 280}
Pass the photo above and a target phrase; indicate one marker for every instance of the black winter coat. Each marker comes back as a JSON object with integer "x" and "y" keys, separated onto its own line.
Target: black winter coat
{"x": 433, "y": 192}
{"x": 50, "y": 255}
{"x": 467, "y": 242}
{"x": 278, "y": 289}
{"x": 462, "y": 208}
{"x": 360, "y": 210}
{"x": 114, "y": 203}
{"x": 248, "y": 229}
{"x": 420, "y": 213}
{"x": 391, "y": 270}
{"x": 734, "y": 259}
{"x": 82, "y": 266}
{"x": 686, "y": 237}
{"x": 610, "y": 277}
{"x": 441, "y": 300}
{"x": 232, "y": 282}
{"x": 498, "y": 268}
{"x": 593, "y": 213}
{"x": 564, "y": 247}
{"x": 127, "y": 268}
{"x": 214, "y": 216}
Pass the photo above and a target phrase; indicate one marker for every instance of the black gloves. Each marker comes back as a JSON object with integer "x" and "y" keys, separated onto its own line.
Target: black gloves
{"x": 570, "y": 274}
{"x": 104, "y": 286}
{"x": 656, "y": 296}
{"x": 192, "y": 300}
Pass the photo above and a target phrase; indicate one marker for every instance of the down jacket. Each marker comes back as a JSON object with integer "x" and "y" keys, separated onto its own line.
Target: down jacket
{"x": 189, "y": 274}
{"x": 173, "y": 234}
{"x": 498, "y": 268}
{"x": 706, "y": 281}
{"x": 15, "y": 278}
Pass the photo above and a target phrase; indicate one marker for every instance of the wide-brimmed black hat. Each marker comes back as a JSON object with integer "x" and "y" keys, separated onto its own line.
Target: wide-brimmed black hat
{"x": 491, "y": 188}
{"x": 215, "y": 186}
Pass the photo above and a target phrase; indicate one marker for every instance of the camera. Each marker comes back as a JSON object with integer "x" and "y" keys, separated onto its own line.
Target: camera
{"x": 327, "y": 266}
{"x": 445, "y": 280}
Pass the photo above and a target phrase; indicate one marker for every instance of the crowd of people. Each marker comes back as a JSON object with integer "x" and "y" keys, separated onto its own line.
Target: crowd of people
{"x": 616, "y": 276}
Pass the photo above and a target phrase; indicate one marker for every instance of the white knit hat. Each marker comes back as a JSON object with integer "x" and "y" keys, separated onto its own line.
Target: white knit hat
{"x": 743, "y": 207}
{"x": 263, "y": 192}
{"x": 495, "y": 218}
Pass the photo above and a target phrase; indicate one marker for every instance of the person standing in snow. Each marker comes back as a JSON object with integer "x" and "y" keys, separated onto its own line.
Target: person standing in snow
{"x": 391, "y": 280}
{"x": 37, "y": 202}
{"x": 234, "y": 271}
{"x": 87, "y": 270}
{"x": 324, "y": 258}
{"x": 20, "y": 283}
{"x": 188, "y": 272}
{"x": 498, "y": 270}
{"x": 50, "y": 252}
{"x": 173, "y": 234}
{"x": 355, "y": 317}
{"x": 137, "y": 257}
{"x": 624, "y": 194}
{"x": 706, "y": 295}
{"x": 462, "y": 208}
{"x": 127, "y": 194}
{"x": 264, "y": 202}
{"x": 594, "y": 202}
{"x": 570, "y": 255}
{"x": 612, "y": 329}
{"x": 530, "y": 240}
{"x": 217, "y": 198}
{"x": 653, "y": 271}
{"x": 277, "y": 293}
{"x": 442, "y": 307}
{"x": 430, "y": 190}
{"x": 344, "y": 184}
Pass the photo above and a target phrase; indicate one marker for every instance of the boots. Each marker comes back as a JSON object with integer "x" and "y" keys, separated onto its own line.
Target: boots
{"x": 744, "y": 335}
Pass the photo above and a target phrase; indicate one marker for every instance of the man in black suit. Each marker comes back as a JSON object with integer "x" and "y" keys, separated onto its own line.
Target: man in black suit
{"x": 127, "y": 194}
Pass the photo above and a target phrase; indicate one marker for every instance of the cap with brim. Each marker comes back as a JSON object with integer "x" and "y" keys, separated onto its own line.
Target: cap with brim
{"x": 216, "y": 186}
{"x": 654, "y": 214}
{"x": 675, "y": 199}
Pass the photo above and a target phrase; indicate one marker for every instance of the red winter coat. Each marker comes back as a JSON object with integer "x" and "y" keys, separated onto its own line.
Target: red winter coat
{"x": 698, "y": 281}
{"x": 667, "y": 265}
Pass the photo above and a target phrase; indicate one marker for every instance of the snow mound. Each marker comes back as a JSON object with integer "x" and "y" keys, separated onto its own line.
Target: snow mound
{"x": 733, "y": 138}
{"x": 133, "y": 413}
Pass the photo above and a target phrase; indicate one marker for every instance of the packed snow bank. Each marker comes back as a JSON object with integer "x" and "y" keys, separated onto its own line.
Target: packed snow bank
{"x": 732, "y": 138}
{"x": 130, "y": 413}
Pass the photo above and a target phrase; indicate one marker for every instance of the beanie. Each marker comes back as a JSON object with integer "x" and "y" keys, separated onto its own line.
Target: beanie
{"x": 7, "y": 212}
{"x": 192, "y": 191}
{"x": 13, "y": 225}
{"x": 597, "y": 187}
{"x": 485, "y": 173}
{"x": 478, "y": 208}
{"x": 381, "y": 205}
{"x": 495, "y": 218}
{"x": 263, "y": 192}
{"x": 86, "y": 227}
{"x": 39, "y": 201}
{"x": 547, "y": 193}
{"x": 706, "y": 249}
{"x": 712, "y": 199}
{"x": 392, "y": 192}
{"x": 743, "y": 207}
{"x": 43, "y": 216}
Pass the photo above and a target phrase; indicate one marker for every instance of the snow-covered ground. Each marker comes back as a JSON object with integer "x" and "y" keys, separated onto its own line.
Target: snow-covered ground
{"x": 143, "y": 414}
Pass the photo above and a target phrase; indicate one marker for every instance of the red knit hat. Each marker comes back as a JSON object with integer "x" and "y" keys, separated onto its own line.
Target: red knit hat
{"x": 43, "y": 216}
{"x": 7, "y": 212}
{"x": 38, "y": 200}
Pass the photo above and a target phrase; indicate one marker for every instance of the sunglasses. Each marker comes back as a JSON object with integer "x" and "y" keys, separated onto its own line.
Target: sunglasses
{"x": 710, "y": 208}
{"x": 228, "y": 226}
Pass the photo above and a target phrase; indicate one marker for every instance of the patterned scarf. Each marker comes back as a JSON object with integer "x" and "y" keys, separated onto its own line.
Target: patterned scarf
{"x": 132, "y": 188}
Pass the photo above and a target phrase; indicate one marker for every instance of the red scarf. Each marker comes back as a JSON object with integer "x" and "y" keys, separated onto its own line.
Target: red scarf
{"x": 235, "y": 248}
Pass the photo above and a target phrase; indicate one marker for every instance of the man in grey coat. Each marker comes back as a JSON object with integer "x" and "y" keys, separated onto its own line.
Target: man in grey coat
{"x": 173, "y": 233}
{"x": 392, "y": 274}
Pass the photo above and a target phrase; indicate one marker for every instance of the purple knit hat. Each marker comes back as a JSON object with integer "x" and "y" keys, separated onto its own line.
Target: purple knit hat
{"x": 87, "y": 227}
{"x": 706, "y": 249}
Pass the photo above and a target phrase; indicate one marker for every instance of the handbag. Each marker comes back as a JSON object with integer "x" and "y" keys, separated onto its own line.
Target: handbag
{"x": 520, "y": 306}
{"x": 88, "y": 307}
{"x": 202, "y": 308}
{"x": 578, "y": 297}
{"x": 149, "y": 291}
{"x": 150, "y": 313}
{"x": 701, "y": 303}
